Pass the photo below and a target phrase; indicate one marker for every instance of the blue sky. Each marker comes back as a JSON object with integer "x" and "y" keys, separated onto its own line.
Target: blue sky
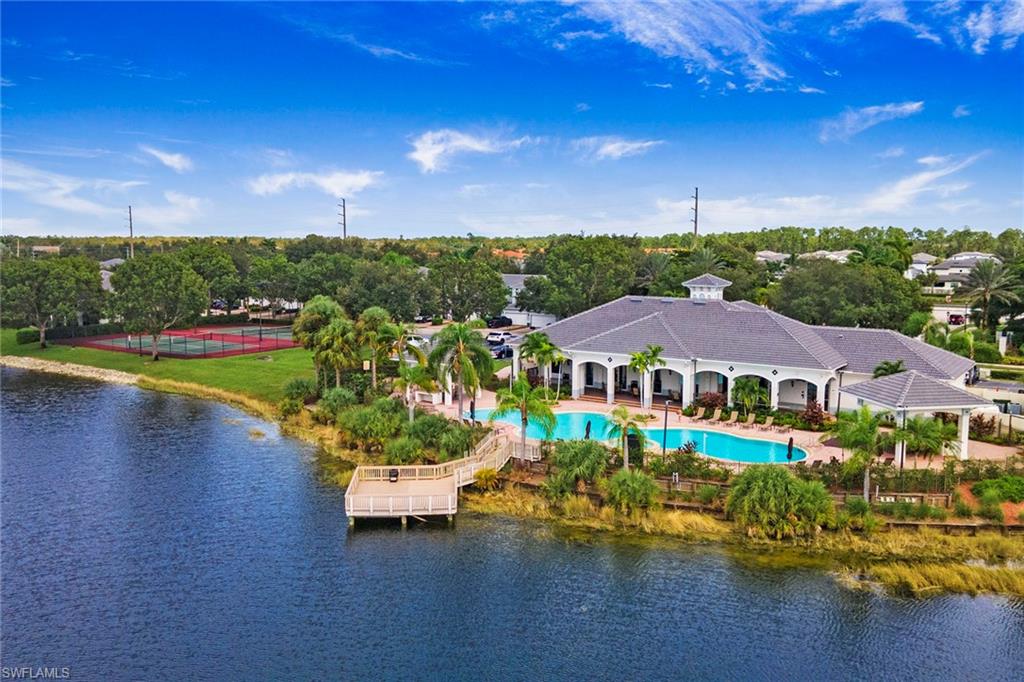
{"x": 504, "y": 119}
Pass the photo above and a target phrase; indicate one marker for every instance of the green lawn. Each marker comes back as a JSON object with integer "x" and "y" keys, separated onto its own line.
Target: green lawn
{"x": 259, "y": 375}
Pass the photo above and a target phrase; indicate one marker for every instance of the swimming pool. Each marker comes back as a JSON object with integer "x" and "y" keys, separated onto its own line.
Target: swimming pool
{"x": 717, "y": 444}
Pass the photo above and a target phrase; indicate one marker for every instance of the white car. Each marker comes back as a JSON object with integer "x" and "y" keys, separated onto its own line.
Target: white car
{"x": 418, "y": 341}
{"x": 498, "y": 338}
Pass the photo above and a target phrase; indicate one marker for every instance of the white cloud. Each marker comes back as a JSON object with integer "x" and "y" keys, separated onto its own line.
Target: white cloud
{"x": 179, "y": 163}
{"x": 961, "y": 111}
{"x": 568, "y": 37}
{"x": 893, "y": 12}
{"x": 335, "y": 183}
{"x": 434, "y": 149}
{"x": 706, "y": 35}
{"x": 59, "y": 191}
{"x": 663, "y": 86}
{"x": 180, "y": 209}
{"x": 474, "y": 190}
{"x": 899, "y": 195}
{"x": 808, "y": 90}
{"x": 994, "y": 20}
{"x": 278, "y": 158}
{"x": 581, "y": 107}
{"x": 854, "y": 121}
{"x": 891, "y": 153}
{"x": 610, "y": 147}
{"x": 23, "y": 226}
{"x": 832, "y": 73}
{"x": 5, "y": 83}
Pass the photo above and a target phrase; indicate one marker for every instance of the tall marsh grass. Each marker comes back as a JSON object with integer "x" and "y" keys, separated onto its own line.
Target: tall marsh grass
{"x": 922, "y": 580}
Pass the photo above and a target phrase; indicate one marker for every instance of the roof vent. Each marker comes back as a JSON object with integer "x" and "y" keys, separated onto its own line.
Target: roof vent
{"x": 636, "y": 300}
{"x": 667, "y": 300}
{"x": 698, "y": 301}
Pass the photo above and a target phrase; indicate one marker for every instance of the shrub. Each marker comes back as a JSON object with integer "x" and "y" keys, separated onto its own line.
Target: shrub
{"x": 982, "y": 427}
{"x": 581, "y": 460}
{"x": 687, "y": 463}
{"x": 986, "y": 352}
{"x": 814, "y": 415}
{"x": 915, "y": 323}
{"x": 991, "y": 506}
{"x": 1020, "y": 517}
{"x": 870, "y": 523}
{"x": 962, "y": 509}
{"x": 631, "y": 490}
{"x": 429, "y": 428}
{"x": 1008, "y": 488}
{"x": 404, "y": 450}
{"x": 486, "y": 478}
{"x": 557, "y": 486}
{"x": 335, "y": 400}
{"x": 303, "y": 390}
{"x": 770, "y": 501}
{"x": 857, "y": 506}
{"x": 707, "y": 494}
{"x": 436, "y": 320}
{"x": 456, "y": 442}
{"x": 289, "y": 407}
{"x": 371, "y": 426}
{"x": 711, "y": 401}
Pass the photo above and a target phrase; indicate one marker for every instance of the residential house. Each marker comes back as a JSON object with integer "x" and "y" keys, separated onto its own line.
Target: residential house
{"x": 515, "y": 284}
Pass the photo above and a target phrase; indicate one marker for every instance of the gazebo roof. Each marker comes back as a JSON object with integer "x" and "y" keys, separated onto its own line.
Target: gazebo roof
{"x": 707, "y": 280}
{"x": 912, "y": 390}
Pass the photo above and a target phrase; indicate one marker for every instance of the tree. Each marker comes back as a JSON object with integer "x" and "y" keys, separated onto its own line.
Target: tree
{"x": 38, "y": 291}
{"x": 860, "y": 432}
{"x": 468, "y": 286}
{"x": 631, "y": 490}
{"x": 749, "y": 392}
{"x": 887, "y": 367}
{"x": 528, "y": 402}
{"x": 704, "y": 259}
{"x": 411, "y": 377}
{"x": 322, "y": 274}
{"x": 990, "y": 282}
{"x": 398, "y": 288}
{"x": 216, "y": 268}
{"x": 272, "y": 279}
{"x": 156, "y": 292}
{"x": 377, "y": 334}
{"x": 643, "y": 362}
{"x": 461, "y": 351}
{"x": 318, "y": 312}
{"x": 538, "y": 347}
{"x": 621, "y": 426}
{"x": 925, "y": 436}
{"x": 336, "y": 345}
{"x": 769, "y": 501}
{"x": 582, "y": 461}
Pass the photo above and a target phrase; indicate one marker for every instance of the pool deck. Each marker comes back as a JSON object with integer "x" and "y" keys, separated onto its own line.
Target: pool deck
{"x": 809, "y": 441}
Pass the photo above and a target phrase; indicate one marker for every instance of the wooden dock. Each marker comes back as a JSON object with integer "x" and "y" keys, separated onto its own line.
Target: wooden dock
{"x": 422, "y": 490}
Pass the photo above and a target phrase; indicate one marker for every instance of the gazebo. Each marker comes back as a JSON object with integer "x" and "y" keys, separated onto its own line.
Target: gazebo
{"x": 911, "y": 392}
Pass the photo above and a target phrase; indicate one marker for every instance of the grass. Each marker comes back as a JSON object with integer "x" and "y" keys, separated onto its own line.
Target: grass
{"x": 927, "y": 579}
{"x": 258, "y": 375}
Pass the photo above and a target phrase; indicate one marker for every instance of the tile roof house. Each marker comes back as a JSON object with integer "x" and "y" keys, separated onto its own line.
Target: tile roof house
{"x": 517, "y": 282}
{"x": 709, "y": 342}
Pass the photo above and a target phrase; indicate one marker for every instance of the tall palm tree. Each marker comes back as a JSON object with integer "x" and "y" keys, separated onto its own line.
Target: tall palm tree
{"x": 888, "y": 367}
{"x": 990, "y": 282}
{"x": 377, "y": 334}
{"x": 316, "y": 314}
{"x": 337, "y": 346}
{"x": 860, "y": 432}
{"x": 411, "y": 377}
{"x": 538, "y": 347}
{"x": 460, "y": 351}
{"x": 703, "y": 259}
{"x": 402, "y": 345}
{"x": 620, "y": 426}
{"x": 643, "y": 362}
{"x": 529, "y": 403}
{"x": 749, "y": 392}
{"x": 925, "y": 435}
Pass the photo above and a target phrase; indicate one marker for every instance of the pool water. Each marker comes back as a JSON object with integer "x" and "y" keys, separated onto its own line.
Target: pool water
{"x": 573, "y": 425}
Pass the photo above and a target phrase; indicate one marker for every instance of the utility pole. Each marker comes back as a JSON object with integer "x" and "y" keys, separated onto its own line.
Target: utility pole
{"x": 131, "y": 234}
{"x": 343, "y": 222}
{"x": 695, "y": 197}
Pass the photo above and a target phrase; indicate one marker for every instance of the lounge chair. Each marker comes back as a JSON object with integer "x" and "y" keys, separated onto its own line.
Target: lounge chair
{"x": 750, "y": 421}
{"x": 732, "y": 417}
{"x": 698, "y": 415}
{"x": 815, "y": 465}
{"x": 767, "y": 426}
{"x": 717, "y": 415}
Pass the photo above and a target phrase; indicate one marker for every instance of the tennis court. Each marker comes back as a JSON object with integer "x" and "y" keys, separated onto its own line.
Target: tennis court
{"x": 198, "y": 342}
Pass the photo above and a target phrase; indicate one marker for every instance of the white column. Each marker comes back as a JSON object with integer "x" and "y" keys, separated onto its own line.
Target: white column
{"x": 965, "y": 430}
{"x": 775, "y": 395}
{"x": 901, "y": 446}
{"x": 575, "y": 379}
{"x": 515, "y": 361}
{"x": 686, "y": 392}
{"x": 648, "y": 384}
{"x": 609, "y": 384}
{"x": 820, "y": 399}
{"x": 728, "y": 392}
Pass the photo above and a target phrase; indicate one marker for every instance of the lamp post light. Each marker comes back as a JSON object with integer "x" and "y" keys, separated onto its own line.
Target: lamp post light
{"x": 664, "y": 430}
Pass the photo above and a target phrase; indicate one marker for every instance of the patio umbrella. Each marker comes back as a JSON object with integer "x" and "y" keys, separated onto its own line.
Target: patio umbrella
{"x": 586, "y": 436}
{"x": 789, "y": 450}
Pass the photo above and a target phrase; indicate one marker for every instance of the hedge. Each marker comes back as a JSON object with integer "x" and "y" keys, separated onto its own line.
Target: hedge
{"x": 31, "y": 334}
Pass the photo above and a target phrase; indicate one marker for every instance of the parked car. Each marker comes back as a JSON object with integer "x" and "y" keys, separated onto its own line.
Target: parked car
{"x": 422, "y": 319}
{"x": 956, "y": 319}
{"x": 501, "y": 352}
{"x": 499, "y": 338}
{"x": 419, "y": 341}
{"x": 500, "y": 321}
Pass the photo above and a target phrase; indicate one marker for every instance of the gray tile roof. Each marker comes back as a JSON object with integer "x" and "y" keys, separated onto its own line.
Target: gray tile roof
{"x": 865, "y": 349}
{"x": 741, "y": 331}
{"x": 910, "y": 390}
{"x": 516, "y": 281}
{"x": 707, "y": 280}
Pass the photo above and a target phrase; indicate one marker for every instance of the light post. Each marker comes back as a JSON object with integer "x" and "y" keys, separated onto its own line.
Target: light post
{"x": 664, "y": 430}
{"x": 261, "y": 286}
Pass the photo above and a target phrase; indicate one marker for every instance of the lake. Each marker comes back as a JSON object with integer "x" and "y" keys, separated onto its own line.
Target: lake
{"x": 151, "y": 536}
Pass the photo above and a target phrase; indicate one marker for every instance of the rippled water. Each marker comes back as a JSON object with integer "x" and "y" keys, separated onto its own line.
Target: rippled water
{"x": 148, "y": 536}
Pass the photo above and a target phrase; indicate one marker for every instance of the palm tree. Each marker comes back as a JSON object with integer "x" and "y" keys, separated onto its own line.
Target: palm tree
{"x": 990, "y": 282}
{"x": 860, "y": 432}
{"x": 529, "y": 403}
{"x": 538, "y": 347}
{"x": 925, "y": 436}
{"x": 888, "y": 367}
{"x": 620, "y": 426}
{"x": 316, "y": 314}
{"x": 643, "y": 362}
{"x": 377, "y": 334}
{"x": 749, "y": 392}
{"x": 337, "y": 346}
{"x": 411, "y": 377}
{"x": 460, "y": 350}
{"x": 703, "y": 259}
{"x": 402, "y": 344}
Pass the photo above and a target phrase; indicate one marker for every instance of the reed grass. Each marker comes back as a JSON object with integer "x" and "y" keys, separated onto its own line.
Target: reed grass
{"x": 927, "y": 579}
